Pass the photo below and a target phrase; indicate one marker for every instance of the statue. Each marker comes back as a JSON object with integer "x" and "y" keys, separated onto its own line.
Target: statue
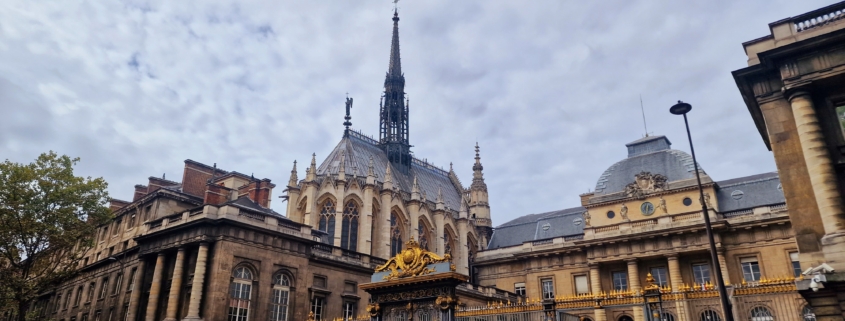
{"x": 662, "y": 205}
{"x": 624, "y": 212}
{"x": 348, "y": 118}
{"x": 348, "y": 105}
{"x": 707, "y": 201}
{"x": 586, "y": 218}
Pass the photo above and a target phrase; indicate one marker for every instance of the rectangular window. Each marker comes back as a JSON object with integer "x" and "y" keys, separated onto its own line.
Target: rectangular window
{"x": 67, "y": 299}
{"x": 350, "y": 287}
{"x": 111, "y": 314}
{"x": 117, "y": 227}
{"x": 78, "y": 296}
{"x": 98, "y": 257}
{"x": 620, "y": 281}
{"x": 131, "y": 223}
{"x": 320, "y": 281}
{"x": 58, "y": 303}
{"x": 104, "y": 236}
{"x": 519, "y": 289}
{"x": 91, "y": 292}
{"x": 125, "y": 245}
{"x": 701, "y": 273}
{"x": 85, "y": 261}
{"x": 239, "y": 301}
{"x": 125, "y": 312}
{"x": 840, "y": 116}
{"x": 85, "y": 317}
{"x": 111, "y": 251}
{"x": 661, "y": 276}
{"x": 750, "y": 269}
{"x": 581, "y": 285}
{"x": 97, "y": 316}
{"x": 104, "y": 288}
{"x": 317, "y": 304}
{"x": 348, "y": 310}
{"x": 548, "y": 287}
{"x": 796, "y": 266}
{"x": 132, "y": 279}
{"x": 279, "y": 303}
{"x": 147, "y": 212}
{"x": 117, "y": 283}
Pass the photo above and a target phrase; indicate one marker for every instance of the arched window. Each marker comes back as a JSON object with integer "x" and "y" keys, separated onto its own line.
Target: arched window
{"x": 422, "y": 230}
{"x": 327, "y": 218}
{"x": 807, "y": 313}
{"x": 349, "y": 229}
{"x": 710, "y": 315}
{"x": 761, "y": 314}
{"x": 279, "y": 299}
{"x": 240, "y": 293}
{"x": 447, "y": 243}
{"x": 395, "y": 235}
{"x": 668, "y": 317}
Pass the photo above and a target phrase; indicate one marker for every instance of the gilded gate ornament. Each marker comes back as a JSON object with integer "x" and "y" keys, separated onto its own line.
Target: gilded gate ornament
{"x": 412, "y": 261}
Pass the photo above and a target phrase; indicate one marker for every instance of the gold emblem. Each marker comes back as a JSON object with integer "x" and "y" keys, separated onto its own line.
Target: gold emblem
{"x": 412, "y": 261}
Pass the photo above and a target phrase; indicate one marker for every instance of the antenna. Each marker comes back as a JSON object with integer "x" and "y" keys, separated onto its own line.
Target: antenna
{"x": 643, "y": 111}
{"x": 395, "y": 5}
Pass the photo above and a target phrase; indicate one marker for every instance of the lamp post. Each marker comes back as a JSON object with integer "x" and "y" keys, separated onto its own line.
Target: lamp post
{"x": 653, "y": 299}
{"x": 682, "y": 108}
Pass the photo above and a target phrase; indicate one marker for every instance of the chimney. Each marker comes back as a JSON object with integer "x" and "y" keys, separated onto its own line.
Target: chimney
{"x": 140, "y": 191}
{"x": 216, "y": 194}
{"x": 259, "y": 191}
{"x": 196, "y": 175}
{"x": 116, "y": 204}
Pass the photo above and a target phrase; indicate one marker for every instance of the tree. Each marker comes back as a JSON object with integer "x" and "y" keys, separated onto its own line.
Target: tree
{"x": 48, "y": 220}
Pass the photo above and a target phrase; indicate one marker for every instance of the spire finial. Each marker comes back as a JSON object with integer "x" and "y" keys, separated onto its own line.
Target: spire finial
{"x": 293, "y": 178}
{"x": 415, "y": 190}
{"x": 642, "y": 109}
{"x": 311, "y": 174}
{"x": 348, "y": 117}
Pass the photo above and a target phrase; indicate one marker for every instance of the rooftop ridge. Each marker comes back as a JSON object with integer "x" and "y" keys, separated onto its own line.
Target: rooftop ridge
{"x": 360, "y": 135}
{"x": 762, "y": 179}
{"x": 421, "y": 162}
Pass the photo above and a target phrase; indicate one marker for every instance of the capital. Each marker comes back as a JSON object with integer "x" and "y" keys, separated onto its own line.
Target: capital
{"x": 797, "y": 93}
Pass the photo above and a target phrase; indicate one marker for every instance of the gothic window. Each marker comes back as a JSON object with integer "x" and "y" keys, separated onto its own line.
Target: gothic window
{"x": 447, "y": 243}
{"x": 327, "y": 218}
{"x": 279, "y": 299}
{"x": 395, "y": 235}
{"x": 240, "y": 293}
{"x": 349, "y": 229}
{"x": 423, "y": 232}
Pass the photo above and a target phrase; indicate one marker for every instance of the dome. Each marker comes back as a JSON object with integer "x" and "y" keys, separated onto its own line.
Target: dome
{"x": 649, "y": 154}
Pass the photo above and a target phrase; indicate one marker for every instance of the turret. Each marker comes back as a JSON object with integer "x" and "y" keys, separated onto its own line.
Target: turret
{"x": 479, "y": 208}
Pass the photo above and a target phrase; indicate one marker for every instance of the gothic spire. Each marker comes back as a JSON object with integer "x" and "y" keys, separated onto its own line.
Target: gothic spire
{"x": 293, "y": 179}
{"x": 477, "y": 174}
{"x": 311, "y": 175}
{"x": 393, "y": 126}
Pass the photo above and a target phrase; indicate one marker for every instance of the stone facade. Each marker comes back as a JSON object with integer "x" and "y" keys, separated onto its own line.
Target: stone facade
{"x": 793, "y": 88}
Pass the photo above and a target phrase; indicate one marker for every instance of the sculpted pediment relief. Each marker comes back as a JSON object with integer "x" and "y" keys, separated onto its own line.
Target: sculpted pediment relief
{"x": 645, "y": 183}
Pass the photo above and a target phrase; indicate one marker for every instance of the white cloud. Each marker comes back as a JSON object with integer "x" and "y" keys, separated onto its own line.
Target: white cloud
{"x": 550, "y": 90}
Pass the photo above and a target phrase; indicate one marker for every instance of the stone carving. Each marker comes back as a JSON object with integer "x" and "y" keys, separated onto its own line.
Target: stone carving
{"x": 707, "y": 201}
{"x": 645, "y": 183}
{"x": 662, "y": 205}
{"x": 586, "y": 218}
{"x": 412, "y": 261}
{"x": 624, "y": 212}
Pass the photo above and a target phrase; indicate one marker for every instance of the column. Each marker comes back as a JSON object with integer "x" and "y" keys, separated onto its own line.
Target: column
{"x": 723, "y": 265}
{"x": 463, "y": 247}
{"x": 135, "y": 296}
{"x": 365, "y": 223}
{"x": 440, "y": 227}
{"x": 338, "y": 216}
{"x": 196, "y": 286}
{"x": 175, "y": 286}
{"x": 152, "y": 302}
{"x": 383, "y": 227}
{"x": 822, "y": 175}
{"x": 634, "y": 285}
{"x": 595, "y": 288}
{"x": 677, "y": 282}
{"x": 414, "y": 213}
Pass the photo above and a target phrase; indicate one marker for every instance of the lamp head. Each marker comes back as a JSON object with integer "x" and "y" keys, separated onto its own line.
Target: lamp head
{"x": 680, "y": 108}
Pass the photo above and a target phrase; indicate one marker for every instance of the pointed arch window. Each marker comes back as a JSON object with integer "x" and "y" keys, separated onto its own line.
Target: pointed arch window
{"x": 280, "y": 298}
{"x": 240, "y": 293}
{"x": 395, "y": 235}
{"x": 447, "y": 243}
{"x": 327, "y": 218}
{"x": 423, "y": 233}
{"x": 349, "y": 229}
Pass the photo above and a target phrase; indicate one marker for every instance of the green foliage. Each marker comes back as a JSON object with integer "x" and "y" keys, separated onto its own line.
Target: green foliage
{"x": 48, "y": 219}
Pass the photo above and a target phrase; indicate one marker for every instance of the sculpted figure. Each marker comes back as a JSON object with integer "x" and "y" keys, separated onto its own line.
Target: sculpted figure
{"x": 662, "y": 205}
{"x": 624, "y": 212}
{"x": 586, "y": 218}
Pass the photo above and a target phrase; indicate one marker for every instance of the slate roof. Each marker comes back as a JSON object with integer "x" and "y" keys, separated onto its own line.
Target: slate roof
{"x": 649, "y": 154}
{"x": 530, "y": 227}
{"x": 749, "y": 192}
{"x": 358, "y": 149}
{"x": 244, "y": 202}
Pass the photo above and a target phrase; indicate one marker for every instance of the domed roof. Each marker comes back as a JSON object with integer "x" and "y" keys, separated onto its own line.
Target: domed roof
{"x": 649, "y": 154}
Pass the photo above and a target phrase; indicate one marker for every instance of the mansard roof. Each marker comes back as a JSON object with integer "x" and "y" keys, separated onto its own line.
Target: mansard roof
{"x": 532, "y": 227}
{"x": 357, "y": 150}
{"x": 749, "y": 192}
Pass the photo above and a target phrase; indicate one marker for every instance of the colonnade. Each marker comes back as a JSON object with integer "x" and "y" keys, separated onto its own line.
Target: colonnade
{"x": 171, "y": 313}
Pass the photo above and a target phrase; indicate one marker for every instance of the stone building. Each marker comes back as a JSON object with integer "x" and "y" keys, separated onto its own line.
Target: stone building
{"x": 211, "y": 248}
{"x": 644, "y": 218}
{"x": 794, "y": 89}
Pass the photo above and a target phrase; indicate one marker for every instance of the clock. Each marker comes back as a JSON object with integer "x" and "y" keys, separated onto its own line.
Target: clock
{"x": 647, "y": 208}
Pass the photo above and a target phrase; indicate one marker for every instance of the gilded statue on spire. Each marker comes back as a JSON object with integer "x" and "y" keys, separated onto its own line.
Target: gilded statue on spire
{"x": 412, "y": 261}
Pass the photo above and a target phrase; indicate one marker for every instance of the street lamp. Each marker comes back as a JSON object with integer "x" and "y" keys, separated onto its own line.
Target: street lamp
{"x": 653, "y": 299}
{"x": 682, "y": 108}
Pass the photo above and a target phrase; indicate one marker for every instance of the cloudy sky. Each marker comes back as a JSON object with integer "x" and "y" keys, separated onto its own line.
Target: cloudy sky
{"x": 550, "y": 89}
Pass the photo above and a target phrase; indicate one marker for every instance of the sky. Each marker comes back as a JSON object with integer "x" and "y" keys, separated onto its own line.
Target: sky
{"x": 549, "y": 89}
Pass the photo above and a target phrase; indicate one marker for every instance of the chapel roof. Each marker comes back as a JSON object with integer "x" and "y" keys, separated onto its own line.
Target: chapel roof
{"x": 357, "y": 150}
